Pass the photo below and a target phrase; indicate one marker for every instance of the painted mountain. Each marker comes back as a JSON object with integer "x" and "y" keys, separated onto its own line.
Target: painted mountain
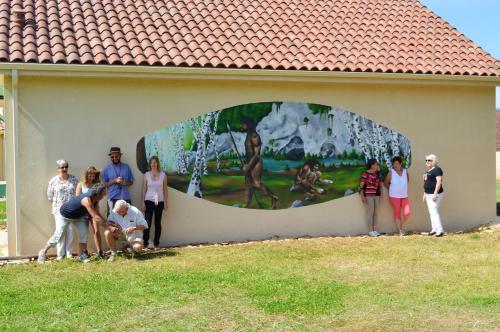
{"x": 271, "y": 155}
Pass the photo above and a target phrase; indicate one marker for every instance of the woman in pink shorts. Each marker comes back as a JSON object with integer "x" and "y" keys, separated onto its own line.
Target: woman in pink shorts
{"x": 397, "y": 181}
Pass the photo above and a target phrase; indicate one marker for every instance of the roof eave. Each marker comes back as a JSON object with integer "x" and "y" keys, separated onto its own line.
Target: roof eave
{"x": 78, "y": 70}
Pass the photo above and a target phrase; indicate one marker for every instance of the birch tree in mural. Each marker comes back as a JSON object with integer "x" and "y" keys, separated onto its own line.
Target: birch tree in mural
{"x": 180, "y": 158}
{"x": 355, "y": 131}
{"x": 372, "y": 139}
{"x": 204, "y": 133}
{"x": 153, "y": 145}
{"x": 212, "y": 140}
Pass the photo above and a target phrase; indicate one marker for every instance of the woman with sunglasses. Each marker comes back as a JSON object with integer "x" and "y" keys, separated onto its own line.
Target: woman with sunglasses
{"x": 433, "y": 193}
{"x": 61, "y": 188}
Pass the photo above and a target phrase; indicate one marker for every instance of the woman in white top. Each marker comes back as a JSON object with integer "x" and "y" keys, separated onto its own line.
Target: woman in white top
{"x": 90, "y": 177}
{"x": 60, "y": 190}
{"x": 154, "y": 198}
{"x": 397, "y": 181}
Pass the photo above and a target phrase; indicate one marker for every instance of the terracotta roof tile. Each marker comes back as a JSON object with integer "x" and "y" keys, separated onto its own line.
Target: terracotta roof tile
{"x": 336, "y": 35}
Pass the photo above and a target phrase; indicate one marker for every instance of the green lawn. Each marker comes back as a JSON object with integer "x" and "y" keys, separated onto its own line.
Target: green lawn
{"x": 348, "y": 284}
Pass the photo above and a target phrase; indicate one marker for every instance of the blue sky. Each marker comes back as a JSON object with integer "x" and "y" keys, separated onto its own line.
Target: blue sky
{"x": 479, "y": 20}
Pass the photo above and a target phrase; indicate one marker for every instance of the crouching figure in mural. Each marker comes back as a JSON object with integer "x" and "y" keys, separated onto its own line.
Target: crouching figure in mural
{"x": 127, "y": 221}
{"x": 76, "y": 211}
{"x": 254, "y": 165}
{"x": 307, "y": 178}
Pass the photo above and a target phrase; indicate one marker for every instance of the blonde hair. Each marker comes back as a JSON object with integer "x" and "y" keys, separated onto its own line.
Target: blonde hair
{"x": 89, "y": 170}
{"x": 432, "y": 157}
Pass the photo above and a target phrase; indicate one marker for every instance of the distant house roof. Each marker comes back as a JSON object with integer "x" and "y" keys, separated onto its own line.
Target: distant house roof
{"x": 387, "y": 36}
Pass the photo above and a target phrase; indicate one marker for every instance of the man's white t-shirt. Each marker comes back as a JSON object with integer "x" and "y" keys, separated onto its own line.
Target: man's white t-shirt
{"x": 133, "y": 218}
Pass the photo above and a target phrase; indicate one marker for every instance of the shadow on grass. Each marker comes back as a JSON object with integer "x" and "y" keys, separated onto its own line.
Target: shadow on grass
{"x": 156, "y": 254}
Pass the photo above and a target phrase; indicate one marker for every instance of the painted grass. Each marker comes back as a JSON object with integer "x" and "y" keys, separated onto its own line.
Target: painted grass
{"x": 229, "y": 189}
{"x": 362, "y": 284}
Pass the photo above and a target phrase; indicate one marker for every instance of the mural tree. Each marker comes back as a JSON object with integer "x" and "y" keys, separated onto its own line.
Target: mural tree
{"x": 204, "y": 128}
{"x": 181, "y": 163}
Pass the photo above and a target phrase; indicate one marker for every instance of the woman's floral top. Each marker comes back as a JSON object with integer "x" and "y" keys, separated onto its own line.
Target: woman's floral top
{"x": 59, "y": 191}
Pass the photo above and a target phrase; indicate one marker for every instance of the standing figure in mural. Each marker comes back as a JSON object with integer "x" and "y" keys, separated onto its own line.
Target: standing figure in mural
{"x": 306, "y": 178}
{"x": 61, "y": 189}
{"x": 154, "y": 199}
{"x": 371, "y": 191}
{"x": 397, "y": 182}
{"x": 433, "y": 193}
{"x": 118, "y": 177}
{"x": 254, "y": 166}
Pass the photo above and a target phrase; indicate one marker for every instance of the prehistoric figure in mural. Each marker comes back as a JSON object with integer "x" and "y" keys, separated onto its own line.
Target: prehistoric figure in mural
{"x": 254, "y": 166}
{"x": 307, "y": 177}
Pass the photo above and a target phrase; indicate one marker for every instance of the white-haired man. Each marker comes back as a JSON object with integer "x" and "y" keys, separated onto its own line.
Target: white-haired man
{"x": 127, "y": 220}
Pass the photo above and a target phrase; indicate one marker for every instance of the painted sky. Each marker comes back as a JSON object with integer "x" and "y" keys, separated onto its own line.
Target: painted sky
{"x": 479, "y": 20}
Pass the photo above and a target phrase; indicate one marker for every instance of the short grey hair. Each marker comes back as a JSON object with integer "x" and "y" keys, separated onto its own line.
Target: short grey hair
{"x": 432, "y": 157}
{"x": 120, "y": 204}
{"x": 61, "y": 162}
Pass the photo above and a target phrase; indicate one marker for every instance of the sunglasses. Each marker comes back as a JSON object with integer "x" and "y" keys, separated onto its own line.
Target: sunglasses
{"x": 426, "y": 160}
{"x": 63, "y": 167}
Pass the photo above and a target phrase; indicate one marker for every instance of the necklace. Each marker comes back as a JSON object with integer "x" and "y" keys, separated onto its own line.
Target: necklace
{"x": 118, "y": 174}
{"x": 154, "y": 175}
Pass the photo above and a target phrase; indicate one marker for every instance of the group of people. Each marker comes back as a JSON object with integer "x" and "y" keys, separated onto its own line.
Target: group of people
{"x": 77, "y": 203}
{"x": 396, "y": 181}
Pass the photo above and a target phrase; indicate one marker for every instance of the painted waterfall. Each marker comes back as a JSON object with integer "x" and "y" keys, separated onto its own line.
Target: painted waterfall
{"x": 271, "y": 155}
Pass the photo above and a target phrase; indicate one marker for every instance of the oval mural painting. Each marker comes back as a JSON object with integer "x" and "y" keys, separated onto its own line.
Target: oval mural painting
{"x": 271, "y": 155}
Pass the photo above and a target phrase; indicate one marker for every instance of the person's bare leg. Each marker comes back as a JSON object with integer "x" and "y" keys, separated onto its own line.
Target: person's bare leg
{"x": 97, "y": 236}
{"x": 110, "y": 240}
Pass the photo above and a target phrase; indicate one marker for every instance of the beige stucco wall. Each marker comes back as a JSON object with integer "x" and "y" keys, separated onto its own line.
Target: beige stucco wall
{"x": 80, "y": 118}
{"x": 498, "y": 164}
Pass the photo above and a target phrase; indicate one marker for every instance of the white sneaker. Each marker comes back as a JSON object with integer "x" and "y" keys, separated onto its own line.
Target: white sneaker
{"x": 69, "y": 256}
{"x": 112, "y": 257}
{"x": 376, "y": 233}
{"x": 372, "y": 234}
{"x": 41, "y": 257}
{"x": 402, "y": 233}
{"x": 59, "y": 258}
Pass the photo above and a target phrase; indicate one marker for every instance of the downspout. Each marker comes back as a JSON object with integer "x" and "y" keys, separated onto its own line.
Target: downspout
{"x": 15, "y": 136}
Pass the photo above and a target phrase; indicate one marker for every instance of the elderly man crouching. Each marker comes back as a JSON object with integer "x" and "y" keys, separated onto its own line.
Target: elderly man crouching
{"x": 129, "y": 221}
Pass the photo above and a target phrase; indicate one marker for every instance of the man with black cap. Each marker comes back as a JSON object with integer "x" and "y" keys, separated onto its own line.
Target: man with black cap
{"x": 117, "y": 177}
